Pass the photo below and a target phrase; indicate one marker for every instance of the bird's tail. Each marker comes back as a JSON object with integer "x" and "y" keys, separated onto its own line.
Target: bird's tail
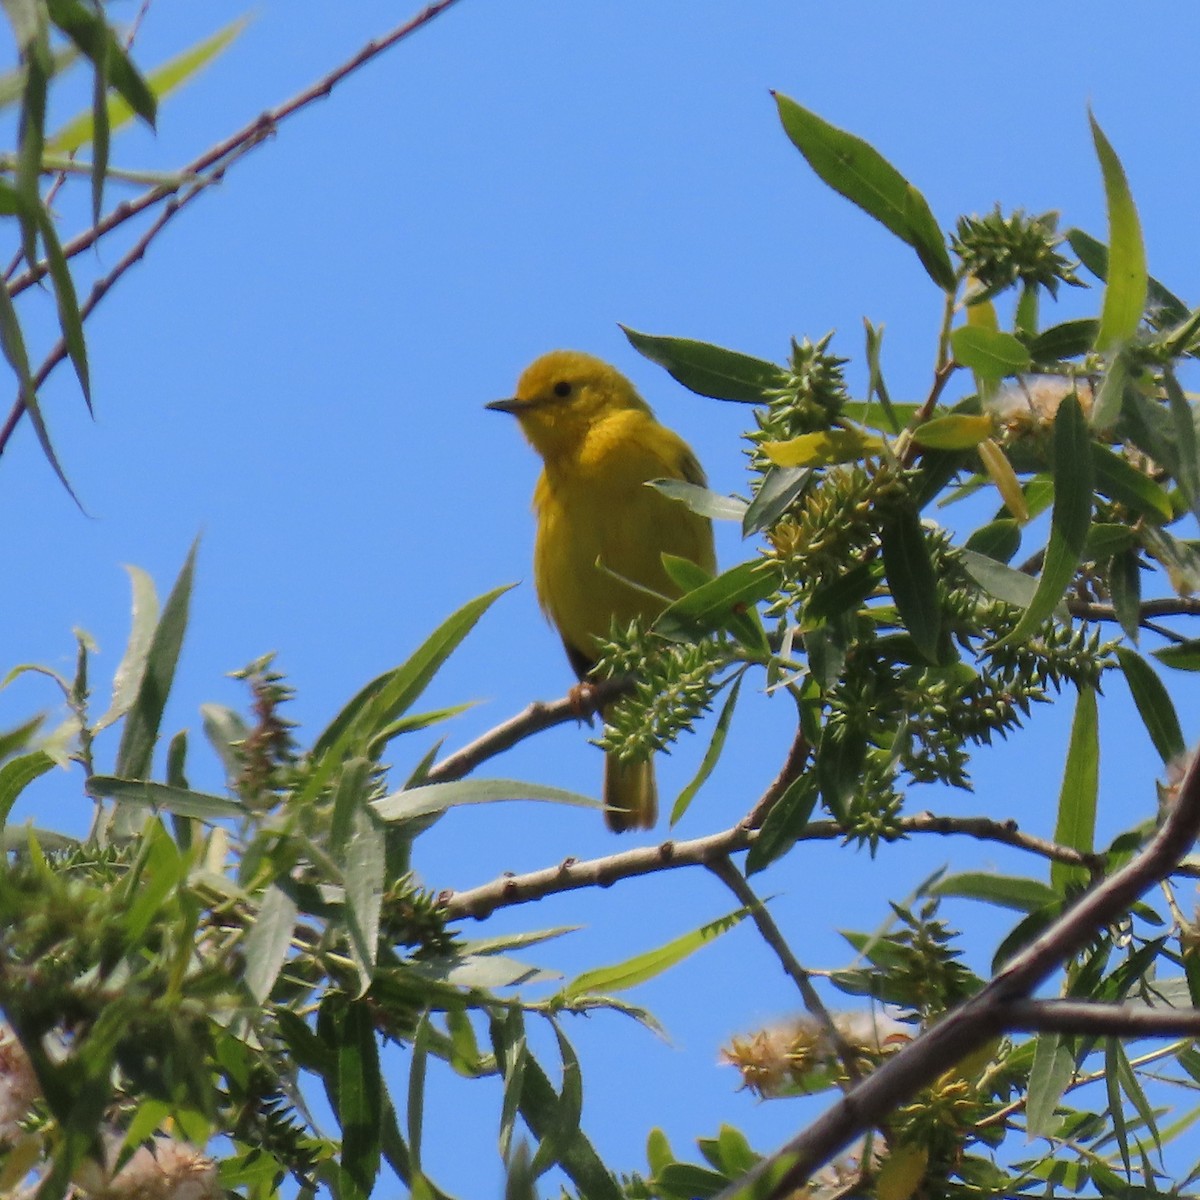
{"x": 630, "y": 794}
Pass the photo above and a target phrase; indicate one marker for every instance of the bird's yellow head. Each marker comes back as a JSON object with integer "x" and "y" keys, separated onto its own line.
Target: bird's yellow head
{"x": 562, "y": 395}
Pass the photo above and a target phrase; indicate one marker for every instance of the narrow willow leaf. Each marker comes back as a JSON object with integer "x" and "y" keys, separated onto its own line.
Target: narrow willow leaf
{"x": 991, "y": 352}
{"x": 1000, "y": 472}
{"x": 711, "y": 755}
{"x": 726, "y": 602}
{"x": 1184, "y": 426}
{"x": 143, "y": 718}
{"x": 1106, "y": 539}
{"x": 66, "y": 302}
{"x": 17, "y": 775}
{"x": 1005, "y": 891}
{"x": 12, "y": 344}
{"x": 1071, "y": 339}
{"x": 91, "y": 33}
{"x": 701, "y": 500}
{"x": 162, "y": 81}
{"x": 268, "y": 941}
{"x": 1075, "y": 825}
{"x": 416, "y": 1090}
{"x": 957, "y": 431}
{"x": 685, "y": 574}
{"x": 1153, "y": 704}
{"x": 385, "y": 698}
{"x": 1094, "y": 255}
{"x": 711, "y": 370}
{"x": 1183, "y": 656}
{"x": 564, "y": 1123}
{"x": 631, "y": 972}
{"x": 539, "y": 1106}
{"x": 860, "y": 173}
{"x": 1126, "y": 287}
{"x": 362, "y": 857}
{"x": 825, "y": 448}
{"x": 687, "y": 1180}
{"x": 435, "y": 797}
{"x": 360, "y": 1096}
{"x": 1118, "y": 479}
{"x": 143, "y": 621}
{"x": 912, "y": 581}
{"x": 780, "y": 488}
{"x": 784, "y": 823}
{"x": 161, "y": 796}
{"x": 1125, "y": 590}
{"x": 999, "y": 540}
{"x": 13, "y": 741}
{"x": 875, "y": 383}
{"x": 1070, "y": 520}
{"x": 1053, "y": 1068}
{"x": 1116, "y": 1107}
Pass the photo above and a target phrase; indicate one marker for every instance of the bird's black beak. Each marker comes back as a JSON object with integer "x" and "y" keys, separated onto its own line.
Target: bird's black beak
{"x": 512, "y": 405}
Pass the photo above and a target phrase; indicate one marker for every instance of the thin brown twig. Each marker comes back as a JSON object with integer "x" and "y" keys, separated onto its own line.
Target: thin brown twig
{"x": 571, "y": 874}
{"x": 215, "y": 161}
{"x": 984, "y": 1015}
{"x": 533, "y": 719}
{"x": 1168, "y": 606}
{"x": 250, "y": 134}
{"x": 724, "y": 869}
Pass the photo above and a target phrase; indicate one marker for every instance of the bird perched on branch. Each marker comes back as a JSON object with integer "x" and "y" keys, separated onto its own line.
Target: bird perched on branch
{"x": 601, "y": 532}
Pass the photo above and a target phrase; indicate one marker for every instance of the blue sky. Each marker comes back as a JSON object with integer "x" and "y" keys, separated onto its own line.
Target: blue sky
{"x": 297, "y": 373}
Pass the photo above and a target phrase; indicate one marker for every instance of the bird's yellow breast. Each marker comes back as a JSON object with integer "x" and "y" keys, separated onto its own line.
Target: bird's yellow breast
{"x": 597, "y": 521}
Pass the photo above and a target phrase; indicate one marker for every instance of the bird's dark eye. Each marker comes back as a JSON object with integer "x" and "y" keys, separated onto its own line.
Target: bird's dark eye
{"x": 562, "y": 388}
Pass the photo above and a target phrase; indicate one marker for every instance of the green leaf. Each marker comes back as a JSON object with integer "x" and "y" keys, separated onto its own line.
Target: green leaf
{"x": 826, "y": 447}
{"x": 89, "y": 31}
{"x": 268, "y": 941}
{"x": 1076, "y": 823}
{"x": 778, "y": 491}
{"x": 710, "y": 370}
{"x": 1071, "y": 339}
{"x": 435, "y": 797}
{"x": 687, "y": 1181}
{"x": 132, "y": 667}
{"x": 957, "y": 431}
{"x": 162, "y": 81}
{"x": 1070, "y": 520}
{"x": 784, "y": 823}
{"x": 563, "y": 1126}
{"x": 1005, "y": 891}
{"x": 1126, "y": 288}
{"x": 17, "y": 775}
{"x": 385, "y": 698}
{"x": 860, "y": 173}
{"x": 357, "y": 843}
{"x": 1094, "y": 255}
{"x": 1125, "y": 590}
{"x": 726, "y": 602}
{"x": 711, "y": 755}
{"x": 1184, "y": 428}
{"x": 875, "y": 383}
{"x": 624, "y": 975}
{"x": 912, "y": 581}
{"x": 66, "y": 301}
{"x": 512, "y": 1053}
{"x": 161, "y": 796}
{"x": 142, "y": 721}
{"x": 416, "y": 1090}
{"x": 1153, "y": 704}
{"x": 13, "y": 741}
{"x": 1053, "y": 1068}
{"x": 1118, "y": 479}
{"x": 360, "y": 1096}
{"x": 1183, "y": 656}
{"x": 999, "y": 540}
{"x": 701, "y": 500}
{"x": 991, "y": 352}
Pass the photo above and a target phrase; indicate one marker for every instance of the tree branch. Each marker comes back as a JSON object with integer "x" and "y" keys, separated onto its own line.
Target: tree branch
{"x": 216, "y": 160}
{"x": 984, "y": 1015}
{"x": 1112, "y": 1020}
{"x": 571, "y": 873}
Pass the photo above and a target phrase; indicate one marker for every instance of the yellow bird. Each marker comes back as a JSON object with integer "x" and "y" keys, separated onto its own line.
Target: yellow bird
{"x": 599, "y": 525}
